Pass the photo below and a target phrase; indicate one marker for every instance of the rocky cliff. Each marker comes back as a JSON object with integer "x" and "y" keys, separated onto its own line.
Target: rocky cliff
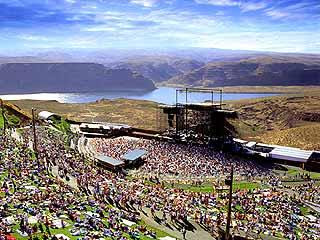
{"x": 68, "y": 77}
{"x": 252, "y": 72}
{"x": 159, "y": 68}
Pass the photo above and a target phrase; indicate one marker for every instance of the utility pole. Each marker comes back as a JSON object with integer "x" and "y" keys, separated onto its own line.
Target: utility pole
{"x": 230, "y": 183}
{"x": 35, "y": 146}
{"x": 3, "y": 117}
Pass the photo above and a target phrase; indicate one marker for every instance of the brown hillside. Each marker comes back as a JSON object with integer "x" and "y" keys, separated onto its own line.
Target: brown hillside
{"x": 257, "y": 71}
{"x": 305, "y": 137}
{"x": 285, "y": 120}
{"x": 137, "y": 113}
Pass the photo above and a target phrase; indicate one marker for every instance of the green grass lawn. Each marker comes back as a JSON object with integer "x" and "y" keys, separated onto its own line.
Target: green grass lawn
{"x": 66, "y": 231}
{"x": 293, "y": 171}
{"x": 305, "y": 210}
{"x": 246, "y": 185}
{"x": 207, "y": 187}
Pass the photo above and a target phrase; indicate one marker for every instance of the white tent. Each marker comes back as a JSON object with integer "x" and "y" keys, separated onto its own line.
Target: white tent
{"x": 45, "y": 115}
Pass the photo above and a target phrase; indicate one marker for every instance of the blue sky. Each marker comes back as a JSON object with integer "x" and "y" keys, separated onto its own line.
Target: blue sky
{"x": 266, "y": 25}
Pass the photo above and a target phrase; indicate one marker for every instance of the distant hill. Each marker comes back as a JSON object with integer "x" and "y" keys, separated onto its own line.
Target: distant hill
{"x": 68, "y": 77}
{"x": 24, "y": 59}
{"x": 192, "y": 66}
{"x": 159, "y": 68}
{"x": 255, "y": 71}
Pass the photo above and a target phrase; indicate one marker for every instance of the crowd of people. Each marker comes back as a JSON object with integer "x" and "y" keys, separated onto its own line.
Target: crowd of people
{"x": 37, "y": 202}
{"x": 60, "y": 192}
{"x": 167, "y": 158}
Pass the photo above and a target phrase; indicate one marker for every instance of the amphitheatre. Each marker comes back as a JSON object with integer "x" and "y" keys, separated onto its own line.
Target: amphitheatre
{"x": 56, "y": 180}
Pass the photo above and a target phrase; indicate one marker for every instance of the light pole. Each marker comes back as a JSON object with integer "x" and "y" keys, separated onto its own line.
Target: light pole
{"x": 230, "y": 183}
{"x": 35, "y": 146}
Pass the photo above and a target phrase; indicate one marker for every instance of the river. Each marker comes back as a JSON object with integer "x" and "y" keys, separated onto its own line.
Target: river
{"x": 164, "y": 95}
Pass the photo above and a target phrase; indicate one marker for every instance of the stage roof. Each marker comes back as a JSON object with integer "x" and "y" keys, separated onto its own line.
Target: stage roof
{"x": 251, "y": 144}
{"x": 237, "y": 140}
{"x": 109, "y": 160}
{"x": 290, "y": 154}
{"x": 134, "y": 154}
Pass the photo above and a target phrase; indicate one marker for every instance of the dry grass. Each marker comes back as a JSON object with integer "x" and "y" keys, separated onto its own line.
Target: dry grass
{"x": 278, "y": 113}
{"x": 290, "y": 120}
{"x": 136, "y": 113}
{"x": 305, "y": 137}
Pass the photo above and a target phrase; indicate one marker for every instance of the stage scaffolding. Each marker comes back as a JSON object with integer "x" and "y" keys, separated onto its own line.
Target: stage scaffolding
{"x": 187, "y": 119}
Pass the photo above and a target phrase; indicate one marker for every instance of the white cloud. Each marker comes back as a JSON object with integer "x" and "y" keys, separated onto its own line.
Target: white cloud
{"x": 169, "y": 2}
{"x": 277, "y": 14}
{"x": 145, "y": 3}
{"x": 252, "y": 6}
{"x": 218, "y": 2}
{"x": 33, "y": 37}
{"x": 302, "y": 10}
{"x": 172, "y": 26}
{"x": 245, "y": 6}
{"x": 70, "y": 1}
{"x": 101, "y": 28}
{"x": 160, "y": 20}
{"x": 89, "y": 7}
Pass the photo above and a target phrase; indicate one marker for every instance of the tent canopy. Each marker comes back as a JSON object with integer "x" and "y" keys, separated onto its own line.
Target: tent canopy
{"x": 109, "y": 160}
{"x": 134, "y": 154}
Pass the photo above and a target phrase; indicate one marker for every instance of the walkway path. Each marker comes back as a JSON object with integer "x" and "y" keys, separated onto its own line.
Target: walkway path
{"x": 314, "y": 206}
{"x": 197, "y": 233}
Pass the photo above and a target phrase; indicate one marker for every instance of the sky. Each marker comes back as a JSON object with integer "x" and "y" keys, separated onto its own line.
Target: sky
{"x": 263, "y": 25}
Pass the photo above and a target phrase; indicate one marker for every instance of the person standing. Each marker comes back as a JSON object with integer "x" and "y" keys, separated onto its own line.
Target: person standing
{"x": 184, "y": 232}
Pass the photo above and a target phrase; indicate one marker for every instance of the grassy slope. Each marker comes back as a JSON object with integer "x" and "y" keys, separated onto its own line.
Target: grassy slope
{"x": 291, "y": 120}
{"x": 305, "y": 137}
{"x": 1, "y": 120}
{"x": 12, "y": 120}
{"x": 137, "y": 113}
{"x": 292, "y": 171}
{"x": 208, "y": 187}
